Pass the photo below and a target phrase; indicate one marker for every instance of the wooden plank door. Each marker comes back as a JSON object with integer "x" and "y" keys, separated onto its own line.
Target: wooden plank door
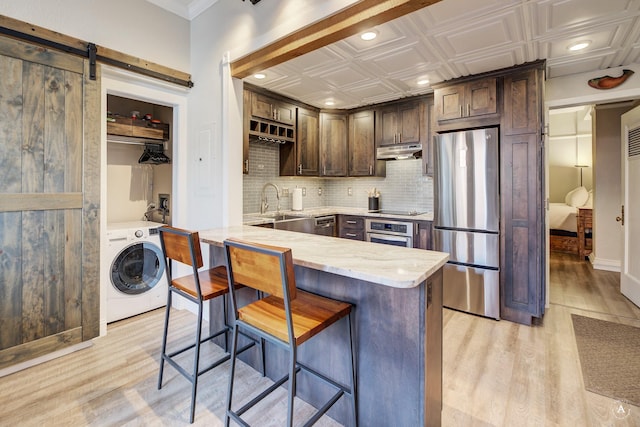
{"x": 49, "y": 202}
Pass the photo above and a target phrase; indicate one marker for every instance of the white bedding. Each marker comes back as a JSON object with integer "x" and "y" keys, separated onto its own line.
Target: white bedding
{"x": 563, "y": 217}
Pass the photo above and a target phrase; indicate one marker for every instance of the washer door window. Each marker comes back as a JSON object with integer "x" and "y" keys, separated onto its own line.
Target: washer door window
{"x": 137, "y": 268}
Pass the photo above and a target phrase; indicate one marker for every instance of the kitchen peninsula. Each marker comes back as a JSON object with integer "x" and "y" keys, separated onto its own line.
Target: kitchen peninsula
{"x": 397, "y": 293}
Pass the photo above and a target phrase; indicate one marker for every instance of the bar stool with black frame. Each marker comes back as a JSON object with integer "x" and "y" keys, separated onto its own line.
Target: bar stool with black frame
{"x": 285, "y": 316}
{"x": 199, "y": 287}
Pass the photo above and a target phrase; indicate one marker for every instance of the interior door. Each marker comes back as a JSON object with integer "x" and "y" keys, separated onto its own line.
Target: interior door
{"x": 630, "y": 211}
{"x": 49, "y": 201}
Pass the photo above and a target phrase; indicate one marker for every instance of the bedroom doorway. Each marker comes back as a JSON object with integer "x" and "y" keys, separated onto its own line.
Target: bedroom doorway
{"x": 584, "y": 140}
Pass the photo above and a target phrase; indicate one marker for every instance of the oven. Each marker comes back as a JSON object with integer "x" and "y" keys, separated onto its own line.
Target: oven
{"x": 396, "y": 233}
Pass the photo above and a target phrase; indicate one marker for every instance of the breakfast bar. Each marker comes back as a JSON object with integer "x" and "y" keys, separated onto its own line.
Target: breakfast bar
{"x": 397, "y": 294}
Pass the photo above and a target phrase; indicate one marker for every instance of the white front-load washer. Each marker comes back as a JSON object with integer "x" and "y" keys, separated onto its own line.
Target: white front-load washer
{"x": 135, "y": 274}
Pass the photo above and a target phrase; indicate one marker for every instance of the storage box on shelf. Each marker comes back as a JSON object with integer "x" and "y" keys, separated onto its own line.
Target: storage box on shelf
{"x": 125, "y": 126}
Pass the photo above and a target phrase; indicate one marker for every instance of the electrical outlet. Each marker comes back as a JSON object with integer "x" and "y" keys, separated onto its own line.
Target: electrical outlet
{"x": 163, "y": 203}
{"x": 304, "y": 191}
{"x": 285, "y": 192}
{"x": 349, "y": 191}
{"x": 319, "y": 191}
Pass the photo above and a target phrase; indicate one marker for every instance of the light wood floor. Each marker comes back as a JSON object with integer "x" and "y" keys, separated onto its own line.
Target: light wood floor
{"x": 496, "y": 373}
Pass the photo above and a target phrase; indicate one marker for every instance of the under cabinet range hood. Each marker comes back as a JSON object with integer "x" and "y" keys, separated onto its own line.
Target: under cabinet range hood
{"x": 399, "y": 151}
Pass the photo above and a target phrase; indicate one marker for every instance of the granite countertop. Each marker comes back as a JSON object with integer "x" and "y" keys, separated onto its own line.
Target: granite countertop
{"x": 257, "y": 218}
{"x": 386, "y": 265}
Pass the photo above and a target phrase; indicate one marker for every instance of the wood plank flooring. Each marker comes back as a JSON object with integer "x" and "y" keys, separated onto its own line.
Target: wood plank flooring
{"x": 495, "y": 373}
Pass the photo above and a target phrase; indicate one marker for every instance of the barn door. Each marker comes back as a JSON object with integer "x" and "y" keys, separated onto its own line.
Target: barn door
{"x": 49, "y": 202}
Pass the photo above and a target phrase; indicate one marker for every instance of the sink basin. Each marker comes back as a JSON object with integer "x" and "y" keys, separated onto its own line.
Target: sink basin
{"x": 281, "y": 216}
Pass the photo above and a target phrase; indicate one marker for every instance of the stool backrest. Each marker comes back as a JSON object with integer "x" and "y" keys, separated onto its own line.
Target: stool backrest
{"x": 262, "y": 267}
{"x": 181, "y": 245}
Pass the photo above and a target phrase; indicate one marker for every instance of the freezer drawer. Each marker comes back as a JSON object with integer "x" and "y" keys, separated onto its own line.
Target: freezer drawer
{"x": 470, "y": 289}
{"x": 467, "y": 247}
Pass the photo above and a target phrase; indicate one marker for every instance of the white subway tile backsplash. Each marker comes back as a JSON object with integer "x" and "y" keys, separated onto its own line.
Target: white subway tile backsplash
{"x": 404, "y": 188}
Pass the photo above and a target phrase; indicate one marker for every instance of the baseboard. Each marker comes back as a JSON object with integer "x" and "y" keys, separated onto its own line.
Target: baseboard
{"x": 47, "y": 357}
{"x": 605, "y": 264}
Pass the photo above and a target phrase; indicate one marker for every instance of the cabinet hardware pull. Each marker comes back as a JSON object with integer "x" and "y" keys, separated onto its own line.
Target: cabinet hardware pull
{"x": 468, "y": 110}
{"x": 300, "y": 169}
{"x": 461, "y": 110}
{"x": 400, "y": 137}
{"x": 350, "y": 222}
{"x": 324, "y": 170}
{"x": 246, "y": 165}
{"x": 370, "y": 170}
{"x": 351, "y": 234}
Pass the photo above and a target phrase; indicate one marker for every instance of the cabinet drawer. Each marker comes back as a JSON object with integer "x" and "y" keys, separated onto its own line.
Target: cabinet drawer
{"x": 352, "y": 222}
{"x": 352, "y": 234}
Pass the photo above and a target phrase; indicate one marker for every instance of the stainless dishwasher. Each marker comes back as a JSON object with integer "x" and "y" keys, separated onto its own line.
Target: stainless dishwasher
{"x": 325, "y": 225}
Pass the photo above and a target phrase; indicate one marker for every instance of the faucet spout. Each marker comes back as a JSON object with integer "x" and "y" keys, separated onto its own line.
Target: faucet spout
{"x": 264, "y": 203}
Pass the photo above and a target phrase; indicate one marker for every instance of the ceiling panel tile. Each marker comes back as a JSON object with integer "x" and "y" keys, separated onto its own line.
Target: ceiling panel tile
{"x": 500, "y": 30}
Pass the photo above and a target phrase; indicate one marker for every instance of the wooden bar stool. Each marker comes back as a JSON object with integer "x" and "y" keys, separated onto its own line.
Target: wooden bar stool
{"x": 184, "y": 246}
{"x": 285, "y": 316}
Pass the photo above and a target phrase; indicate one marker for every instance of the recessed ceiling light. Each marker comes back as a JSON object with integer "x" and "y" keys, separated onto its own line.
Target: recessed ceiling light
{"x": 329, "y": 102}
{"x": 422, "y": 82}
{"x": 369, "y": 35}
{"x": 260, "y": 76}
{"x": 579, "y": 45}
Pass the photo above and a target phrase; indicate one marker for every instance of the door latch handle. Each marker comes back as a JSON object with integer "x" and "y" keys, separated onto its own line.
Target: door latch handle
{"x": 620, "y": 218}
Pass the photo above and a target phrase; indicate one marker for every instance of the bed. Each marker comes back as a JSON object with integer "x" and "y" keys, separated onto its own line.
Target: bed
{"x": 563, "y": 221}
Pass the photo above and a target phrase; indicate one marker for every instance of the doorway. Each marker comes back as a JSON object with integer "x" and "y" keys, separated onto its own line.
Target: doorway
{"x": 583, "y": 141}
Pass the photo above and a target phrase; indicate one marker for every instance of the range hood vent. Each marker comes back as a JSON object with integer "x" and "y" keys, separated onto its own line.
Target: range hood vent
{"x": 399, "y": 151}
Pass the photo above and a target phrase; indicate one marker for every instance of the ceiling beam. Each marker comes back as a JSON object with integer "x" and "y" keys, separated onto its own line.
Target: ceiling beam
{"x": 354, "y": 19}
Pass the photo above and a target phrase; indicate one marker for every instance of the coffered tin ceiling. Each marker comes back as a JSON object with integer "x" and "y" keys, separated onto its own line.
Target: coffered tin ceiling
{"x": 455, "y": 38}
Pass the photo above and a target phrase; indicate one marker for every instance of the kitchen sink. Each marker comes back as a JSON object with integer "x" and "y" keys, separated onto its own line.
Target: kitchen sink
{"x": 281, "y": 216}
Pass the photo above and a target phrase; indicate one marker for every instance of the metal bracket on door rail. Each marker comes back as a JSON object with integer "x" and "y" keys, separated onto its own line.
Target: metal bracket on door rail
{"x": 91, "y": 50}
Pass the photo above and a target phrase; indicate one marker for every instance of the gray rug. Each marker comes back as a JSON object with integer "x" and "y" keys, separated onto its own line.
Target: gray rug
{"x": 610, "y": 358}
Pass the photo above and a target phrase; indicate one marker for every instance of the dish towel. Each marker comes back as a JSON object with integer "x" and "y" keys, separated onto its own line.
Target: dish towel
{"x": 141, "y": 182}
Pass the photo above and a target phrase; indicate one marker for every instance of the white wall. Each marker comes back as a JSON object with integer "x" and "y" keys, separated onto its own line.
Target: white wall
{"x": 231, "y": 29}
{"x": 574, "y": 90}
{"x": 135, "y": 27}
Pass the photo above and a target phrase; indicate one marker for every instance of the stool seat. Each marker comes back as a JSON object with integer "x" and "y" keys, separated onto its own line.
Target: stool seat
{"x": 310, "y": 314}
{"x": 213, "y": 283}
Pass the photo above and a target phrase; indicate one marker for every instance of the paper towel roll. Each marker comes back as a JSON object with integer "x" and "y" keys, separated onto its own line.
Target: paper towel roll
{"x": 296, "y": 203}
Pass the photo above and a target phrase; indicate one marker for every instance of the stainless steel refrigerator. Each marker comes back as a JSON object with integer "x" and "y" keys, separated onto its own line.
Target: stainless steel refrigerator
{"x": 467, "y": 219}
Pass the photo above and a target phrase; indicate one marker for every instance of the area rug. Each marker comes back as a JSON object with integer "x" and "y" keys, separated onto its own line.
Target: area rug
{"x": 610, "y": 358}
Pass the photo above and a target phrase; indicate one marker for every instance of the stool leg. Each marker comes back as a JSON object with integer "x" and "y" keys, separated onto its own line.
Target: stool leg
{"x": 292, "y": 383}
{"x": 196, "y": 363}
{"x": 234, "y": 348}
{"x": 163, "y": 351}
{"x": 354, "y": 370}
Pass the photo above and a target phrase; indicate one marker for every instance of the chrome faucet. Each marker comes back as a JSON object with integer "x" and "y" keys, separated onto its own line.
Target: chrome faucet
{"x": 264, "y": 204}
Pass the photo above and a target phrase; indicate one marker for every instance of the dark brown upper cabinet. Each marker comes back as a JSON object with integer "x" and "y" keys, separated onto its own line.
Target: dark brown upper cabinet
{"x": 307, "y": 143}
{"x": 466, "y": 100}
{"x": 333, "y": 144}
{"x": 362, "y": 146}
{"x": 399, "y": 123}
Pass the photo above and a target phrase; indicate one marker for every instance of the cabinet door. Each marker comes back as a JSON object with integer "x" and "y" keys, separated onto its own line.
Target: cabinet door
{"x": 362, "y": 153}
{"x": 387, "y": 125}
{"x": 422, "y": 235}
{"x": 521, "y": 103}
{"x": 262, "y": 106}
{"x": 284, "y": 113}
{"x": 427, "y": 146}
{"x": 449, "y": 102}
{"x": 307, "y": 143}
{"x": 409, "y": 124}
{"x": 333, "y": 144}
{"x": 480, "y": 97}
{"x": 522, "y": 257}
